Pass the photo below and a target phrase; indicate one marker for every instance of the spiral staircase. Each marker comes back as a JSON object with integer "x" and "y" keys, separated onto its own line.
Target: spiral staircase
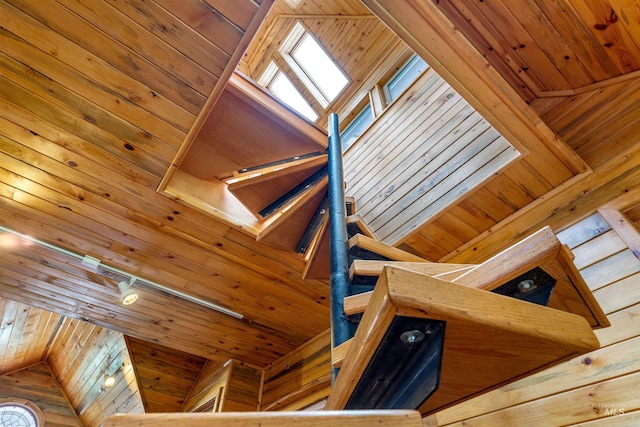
{"x": 408, "y": 333}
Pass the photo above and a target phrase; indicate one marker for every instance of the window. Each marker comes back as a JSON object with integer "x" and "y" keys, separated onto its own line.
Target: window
{"x": 316, "y": 65}
{"x": 403, "y": 78}
{"x": 388, "y": 88}
{"x": 281, "y": 86}
{"x": 357, "y": 127}
{"x": 13, "y": 414}
{"x": 303, "y": 75}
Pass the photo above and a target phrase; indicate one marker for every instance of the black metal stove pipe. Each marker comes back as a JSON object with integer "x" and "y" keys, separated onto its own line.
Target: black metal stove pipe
{"x": 341, "y": 329}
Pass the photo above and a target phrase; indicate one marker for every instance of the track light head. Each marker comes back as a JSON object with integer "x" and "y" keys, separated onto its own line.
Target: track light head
{"x": 128, "y": 295}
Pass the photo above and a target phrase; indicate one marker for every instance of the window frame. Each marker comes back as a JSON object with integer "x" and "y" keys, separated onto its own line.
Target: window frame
{"x": 353, "y": 123}
{"x": 292, "y": 42}
{"x": 268, "y": 78}
{"x": 406, "y": 68}
{"x": 378, "y": 97}
{"x": 28, "y": 406}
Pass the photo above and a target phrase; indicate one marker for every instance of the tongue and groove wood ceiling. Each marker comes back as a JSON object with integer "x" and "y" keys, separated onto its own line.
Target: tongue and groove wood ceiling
{"x": 103, "y": 105}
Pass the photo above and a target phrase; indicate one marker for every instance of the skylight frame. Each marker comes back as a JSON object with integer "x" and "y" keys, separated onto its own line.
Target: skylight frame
{"x": 270, "y": 78}
{"x": 297, "y": 36}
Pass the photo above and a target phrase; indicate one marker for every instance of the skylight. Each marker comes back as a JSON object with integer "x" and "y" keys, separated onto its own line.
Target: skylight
{"x": 319, "y": 67}
{"x": 282, "y": 87}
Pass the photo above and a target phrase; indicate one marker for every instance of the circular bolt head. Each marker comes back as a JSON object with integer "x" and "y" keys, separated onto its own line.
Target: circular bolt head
{"x": 412, "y": 337}
{"x": 526, "y": 285}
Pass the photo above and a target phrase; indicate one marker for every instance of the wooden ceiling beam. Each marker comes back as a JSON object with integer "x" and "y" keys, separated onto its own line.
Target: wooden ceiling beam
{"x": 423, "y": 26}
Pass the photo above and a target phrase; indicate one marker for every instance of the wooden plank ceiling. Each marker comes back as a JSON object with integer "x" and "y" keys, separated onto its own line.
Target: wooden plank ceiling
{"x": 563, "y": 73}
{"x": 101, "y": 102}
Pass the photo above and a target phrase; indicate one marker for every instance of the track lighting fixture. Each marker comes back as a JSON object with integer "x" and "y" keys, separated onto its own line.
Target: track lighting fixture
{"x": 95, "y": 265}
{"x": 128, "y": 295}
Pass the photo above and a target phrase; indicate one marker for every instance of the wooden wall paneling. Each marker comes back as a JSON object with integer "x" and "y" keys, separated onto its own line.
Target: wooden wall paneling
{"x": 601, "y": 246}
{"x": 470, "y": 213}
{"x": 422, "y": 24}
{"x": 606, "y": 146}
{"x": 164, "y": 376}
{"x": 620, "y": 294}
{"x": 224, "y": 27}
{"x": 570, "y": 407}
{"x": 531, "y": 181}
{"x": 287, "y": 268}
{"x": 243, "y": 388}
{"x": 25, "y": 334}
{"x": 62, "y": 75}
{"x": 614, "y": 111}
{"x": 67, "y": 52}
{"x": 489, "y": 204}
{"x": 56, "y": 94}
{"x": 234, "y": 386}
{"x": 613, "y": 268}
{"x": 509, "y": 193}
{"x": 210, "y": 384}
{"x": 149, "y": 311}
{"x": 240, "y": 13}
{"x": 83, "y": 34}
{"x": 202, "y": 51}
{"x": 299, "y": 378}
{"x": 517, "y": 44}
{"x": 77, "y": 124}
{"x": 587, "y": 54}
{"x": 425, "y": 143}
{"x": 615, "y": 214}
{"x": 575, "y": 199}
{"x": 591, "y": 368}
{"x": 267, "y": 43}
{"x": 568, "y": 116}
{"x": 89, "y": 353}
{"x": 422, "y": 243}
{"x": 38, "y": 135}
{"x": 37, "y": 384}
{"x": 378, "y": 151}
{"x": 393, "y": 162}
{"x": 122, "y": 226}
{"x": 481, "y": 165}
{"x": 459, "y": 230}
{"x": 372, "y": 147}
{"x": 493, "y": 47}
{"x": 433, "y": 239}
{"x": 591, "y": 387}
{"x": 608, "y": 30}
{"x": 123, "y": 30}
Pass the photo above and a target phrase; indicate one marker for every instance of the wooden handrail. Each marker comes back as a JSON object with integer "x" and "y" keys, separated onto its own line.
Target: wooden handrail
{"x": 381, "y": 418}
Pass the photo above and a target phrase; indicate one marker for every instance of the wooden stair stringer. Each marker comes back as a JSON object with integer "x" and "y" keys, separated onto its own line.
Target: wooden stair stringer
{"x": 258, "y": 192}
{"x": 286, "y": 230}
{"x": 318, "y": 262}
{"x": 541, "y": 249}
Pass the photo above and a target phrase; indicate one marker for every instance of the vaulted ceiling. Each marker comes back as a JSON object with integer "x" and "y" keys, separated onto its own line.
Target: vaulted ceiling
{"x": 103, "y": 106}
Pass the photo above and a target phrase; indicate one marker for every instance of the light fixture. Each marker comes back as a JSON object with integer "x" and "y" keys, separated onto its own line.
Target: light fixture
{"x": 95, "y": 265}
{"x": 109, "y": 381}
{"x": 128, "y": 295}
